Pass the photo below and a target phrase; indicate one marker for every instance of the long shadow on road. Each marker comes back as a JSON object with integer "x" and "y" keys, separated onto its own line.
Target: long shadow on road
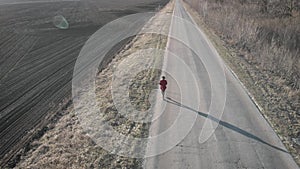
{"x": 225, "y": 124}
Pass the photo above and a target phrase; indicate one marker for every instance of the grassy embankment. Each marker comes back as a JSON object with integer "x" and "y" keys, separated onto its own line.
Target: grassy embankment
{"x": 67, "y": 145}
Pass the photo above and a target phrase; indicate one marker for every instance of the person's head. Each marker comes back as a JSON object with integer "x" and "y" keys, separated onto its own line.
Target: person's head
{"x": 163, "y": 77}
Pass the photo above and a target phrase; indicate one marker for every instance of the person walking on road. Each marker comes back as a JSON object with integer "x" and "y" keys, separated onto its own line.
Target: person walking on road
{"x": 163, "y": 86}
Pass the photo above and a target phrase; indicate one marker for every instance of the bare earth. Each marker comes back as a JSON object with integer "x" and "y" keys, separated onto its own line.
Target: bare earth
{"x": 66, "y": 145}
{"x": 37, "y": 59}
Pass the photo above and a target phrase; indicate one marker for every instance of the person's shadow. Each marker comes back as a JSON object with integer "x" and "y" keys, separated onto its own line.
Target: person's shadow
{"x": 224, "y": 124}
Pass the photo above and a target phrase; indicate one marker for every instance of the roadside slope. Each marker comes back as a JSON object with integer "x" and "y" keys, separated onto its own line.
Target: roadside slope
{"x": 37, "y": 59}
{"x": 277, "y": 101}
{"x": 66, "y": 144}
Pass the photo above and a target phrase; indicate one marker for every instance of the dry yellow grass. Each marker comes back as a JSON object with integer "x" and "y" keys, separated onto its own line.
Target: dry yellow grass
{"x": 279, "y": 99}
{"x": 67, "y": 145}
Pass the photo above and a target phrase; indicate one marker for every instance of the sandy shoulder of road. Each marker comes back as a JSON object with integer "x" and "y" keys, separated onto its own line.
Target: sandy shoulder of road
{"x": 66, "y": 145}
{"x": 258, "y": 91}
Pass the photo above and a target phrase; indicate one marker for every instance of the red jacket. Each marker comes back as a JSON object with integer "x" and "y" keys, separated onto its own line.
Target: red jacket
{"x": 163, "y": 84}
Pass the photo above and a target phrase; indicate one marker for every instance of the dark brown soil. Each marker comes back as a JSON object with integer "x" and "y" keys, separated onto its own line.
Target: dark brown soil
{"x": 37, "y": 60}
